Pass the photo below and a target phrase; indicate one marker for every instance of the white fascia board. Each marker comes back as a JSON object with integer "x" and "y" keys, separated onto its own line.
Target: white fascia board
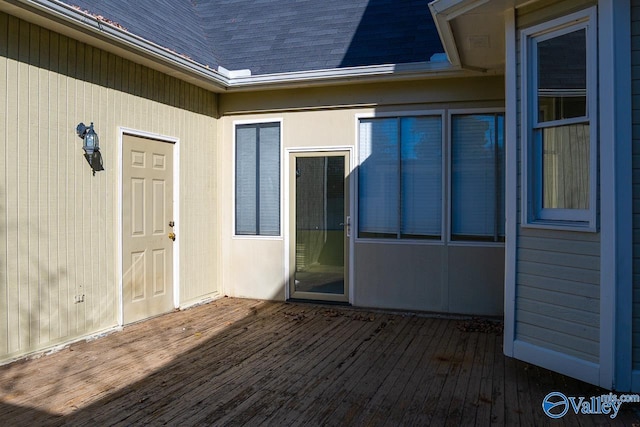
{"x": 386, "y": 72}
{"x": 454, "y": 8}
{"x": 438, "y": 11}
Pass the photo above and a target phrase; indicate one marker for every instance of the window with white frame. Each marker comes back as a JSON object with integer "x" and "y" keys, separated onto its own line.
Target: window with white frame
{"x": 559, "y": 112}
{"x": 257, "y": 179}
{"x": 477, "y": 177}
{"x": 400, "y": 177}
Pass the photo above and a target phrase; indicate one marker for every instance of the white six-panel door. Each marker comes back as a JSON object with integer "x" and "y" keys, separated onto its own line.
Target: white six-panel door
{"x": 147, "y": 228}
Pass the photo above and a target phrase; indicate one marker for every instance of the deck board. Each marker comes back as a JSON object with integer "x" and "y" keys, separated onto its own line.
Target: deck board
{"x": 247, "y": 362}
{"x": 373, "y": 369}
{"x": 472, "y": 390}
{"x": 484, "y": 368}
{"x": 497, "y": 393}
{"x": 385, "y": 397}
{"x": 409, "y": 401}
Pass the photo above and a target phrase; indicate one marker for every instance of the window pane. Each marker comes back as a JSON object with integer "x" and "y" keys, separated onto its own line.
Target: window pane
{"x": 246, "y": 185}
{"x": 378, "y": 178}
{"x": 565, "y": 166}
{"x": 562, "y": 77}
{"x": 258, "y": 179}
{"x": 477, "y": 177}
{"x": 421, "y": 150}
{"x": 269, "y": 180}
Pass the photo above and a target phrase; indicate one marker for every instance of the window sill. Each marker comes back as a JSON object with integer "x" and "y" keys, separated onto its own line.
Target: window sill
{"x": 579, "y": 226}
{"x": 255, "y": 237}
{"x": 413, "y": 242}
{"x": 475, "y": 244}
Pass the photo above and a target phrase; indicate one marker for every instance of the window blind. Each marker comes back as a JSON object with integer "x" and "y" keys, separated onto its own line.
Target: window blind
{"x": 246, "y": 186}
{"x": 400, "y": 177}
{"x": 269, "y": 180}
{"x": 379, "y": 180}
{"x": 258, "y": 179}
{"x": 477, "y": 184}
{"x": 421, "y": 175}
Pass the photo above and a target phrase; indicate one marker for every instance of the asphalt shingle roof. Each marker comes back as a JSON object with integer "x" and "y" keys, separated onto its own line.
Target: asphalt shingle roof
{"x": 274, "y": 36}
{"x": 172, "y": 24}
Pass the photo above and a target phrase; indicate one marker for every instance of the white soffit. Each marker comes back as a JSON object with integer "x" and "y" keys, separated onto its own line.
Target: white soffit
{"x": 472, "y": 31}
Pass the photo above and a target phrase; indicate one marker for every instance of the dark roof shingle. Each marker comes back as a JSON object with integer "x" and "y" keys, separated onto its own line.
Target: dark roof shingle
{"x": 172, "y": 24}
{"x": 277, "y": 36}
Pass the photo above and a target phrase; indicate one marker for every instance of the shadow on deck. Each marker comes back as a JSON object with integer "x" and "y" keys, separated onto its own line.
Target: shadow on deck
{"x": 246, "y": 362}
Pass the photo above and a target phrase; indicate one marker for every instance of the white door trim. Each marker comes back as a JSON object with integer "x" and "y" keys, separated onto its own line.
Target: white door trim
{"x": 176, "y": 212}
{"x": 287, "y": 219}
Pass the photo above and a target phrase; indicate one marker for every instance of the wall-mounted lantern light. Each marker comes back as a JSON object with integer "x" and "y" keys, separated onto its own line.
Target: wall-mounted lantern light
{"x": 91, "y": 146}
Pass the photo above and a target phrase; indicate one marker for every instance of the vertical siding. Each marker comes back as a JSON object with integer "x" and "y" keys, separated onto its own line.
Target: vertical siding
{"x": 635, "y": 75}
{"x": 58, "y": 223}
{"x": 558, "y": 272}
{"x": 4, "y": 117}
{"x": 198, "y": 208}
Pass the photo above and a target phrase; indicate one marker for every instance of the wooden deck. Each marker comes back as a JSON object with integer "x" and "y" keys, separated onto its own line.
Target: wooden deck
{"x": 246, "y": 362}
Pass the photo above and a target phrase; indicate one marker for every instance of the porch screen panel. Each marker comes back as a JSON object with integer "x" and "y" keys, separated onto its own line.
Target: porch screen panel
{"x": 477, "y": 172}
{"x": 269, "y": 179}
{"x": 378, "y": 178}
{"x": 421, "y": 177}
{"x": 246, "y": 185}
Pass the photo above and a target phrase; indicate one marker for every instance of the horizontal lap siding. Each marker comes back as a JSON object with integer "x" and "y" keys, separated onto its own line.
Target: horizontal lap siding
{"x": 558, "y": 272}
{"x": 635, "y": 64}
{"x": 58, "y": 222}
{"x": 557, "y": 300}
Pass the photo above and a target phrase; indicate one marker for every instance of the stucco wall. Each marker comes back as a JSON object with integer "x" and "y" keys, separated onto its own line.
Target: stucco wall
{"x": 418, "y": 276}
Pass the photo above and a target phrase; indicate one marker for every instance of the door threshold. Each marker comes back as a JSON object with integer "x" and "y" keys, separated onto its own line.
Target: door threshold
{"x": 319, "y": 301}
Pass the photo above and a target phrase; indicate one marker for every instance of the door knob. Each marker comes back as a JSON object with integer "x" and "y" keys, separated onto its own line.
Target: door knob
{"x": 172, "y": 236}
